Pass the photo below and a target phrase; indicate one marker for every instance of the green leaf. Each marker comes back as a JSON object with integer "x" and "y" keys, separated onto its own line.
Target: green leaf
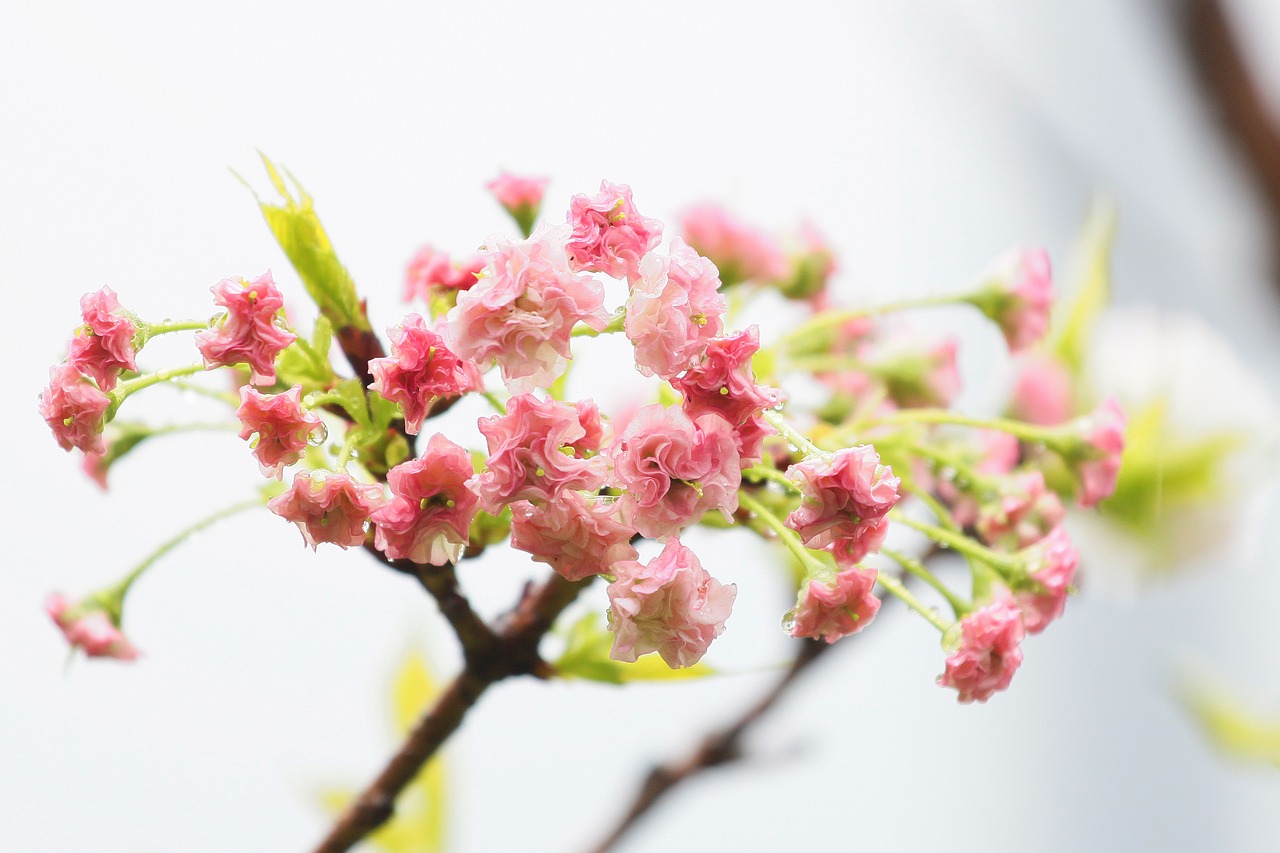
{"x": 1234, "y": 729}
{"x": 586, "y": 656}
{"x": 298, "y": 230}
{"x": 354, "y": 401}
{"x": 1090, "y": 286}
{"x": 308, "y": 364}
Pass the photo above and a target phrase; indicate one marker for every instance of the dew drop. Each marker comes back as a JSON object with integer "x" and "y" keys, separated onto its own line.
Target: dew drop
{"x": 318, "y": 436}
{"x": 789, "y": 621}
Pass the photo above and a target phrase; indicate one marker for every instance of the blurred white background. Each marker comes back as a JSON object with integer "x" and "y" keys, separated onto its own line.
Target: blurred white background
{"x": 922, "y": 138}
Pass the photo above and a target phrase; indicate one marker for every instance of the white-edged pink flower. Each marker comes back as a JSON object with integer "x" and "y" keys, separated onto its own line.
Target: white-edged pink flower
{"x": 428, "y": 519}
{"x": 1052, "y": 564}
{"x": 674, "y": 311}
{"x": 248, "y": 333}
{"x": 740, "y": 251}
{"x": 845, "y": 497}
{"x": 1022, "y": 514}
{"x": 577, "y": 534}
{"x": 1042, "y": 390}
{"x": 328, "y": 506}
{"x": 670, "y": 605}
{"x": 721, "y": 382}
{"x": 420, "y": 370}
{"x": 74, "y": 408}
{"x": 674, "y": 469}
{"x": 89, "y": 629}
{"x": 1097, "y": 463}
{"x": 104, "y": 344}
{"x": 283, "y": 427}
{"x": 521, "y": 313}
{"x": 988, "y": 653}
{"x": 1019, "y": 296}
{"x": 539, "y": 449}
{"x": 609, "y": 234}
{"x": 831, "y": 610}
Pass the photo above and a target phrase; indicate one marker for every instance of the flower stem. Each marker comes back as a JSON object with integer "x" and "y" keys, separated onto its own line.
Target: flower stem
{"x": 761, "y": 473}
{"x": 151, "y": 330}
{"x": 961, "y": 543}
{"x": 827, "y": 319}
{"x": 895, "y": 586}
{"x": 785, "y": 534}
{"x": 195, "y": 388}
{"x": 124, "y": 389}
{"x": 616, "y": 323}
{"x": 792, "y": 434}
{"x": 1018, "y": 429}
{"x": 958, "y": 606}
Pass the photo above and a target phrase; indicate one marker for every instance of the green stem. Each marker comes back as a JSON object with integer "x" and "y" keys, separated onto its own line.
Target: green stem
{"x": 792, "y": 434}
{"x": 785, "y": 534}
{"x": 895, "y": 586}
{"x": 124, "y": 389}
{"x": 151, "y": 330}
{"x": 1018, "y": 429}
{"x": 961, "y": 543}
{"x": 935, "y": 506}
{"x": 759, "y": 473}
{"x": 829, "y": 364}
{"x": 195, "y": 388}
{"x": 958, "y": 605}
{"x": 947, "y": 461}
{"x": 332, "y": 398}
{"x": 827, "y": 319}
{"x": 348, "y": 447}
{"x": 616, "y": 324}
{"x": 499, "y": 406}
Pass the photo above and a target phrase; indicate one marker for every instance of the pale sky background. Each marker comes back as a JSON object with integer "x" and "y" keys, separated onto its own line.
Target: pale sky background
{"x": 922, "y": 137}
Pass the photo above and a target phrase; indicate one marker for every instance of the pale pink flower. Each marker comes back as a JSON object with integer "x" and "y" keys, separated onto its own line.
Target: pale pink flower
{"x": 428, "y": 519}
{"x": 674, "y": 469}
{"x": 74, "y": 408}
{"x": 92, "y": 630}
{"x": 1019, "y": 296}
{"x": 521, "y": 195}
{"x": 95, "y": 466}
{"x": 420, "y": 370}
{"x": 609, "y": 234}
{"x": 988, "y": 653}
{"x": 1097, "y": 463}
{"x": 671, "y": 606}
{"x": 721, "y": 382}
{"x": 431, "y": 270}
{"x": 829, "y": 611}
{"x": 521, "y": 314}
{"x": 578, "y": 535}
{"x": 104, "y": 344}
{"x": 539, "y": 449}
{"x": 674, "y": 310}
{"x": 740, "y": 251}
{"x": 1051, "y": 564}
{"x": 991, "y": 452}
{"x": 328, "y": 506}
{"x": 812, "y": 266}
{"x": 917, "y": 373}
{"x": 845, "y": 497}
{"x": 248, "y": 333}
{"x": 283, "y": 427}
{"x": 1042, "y": 392}
{"x": 1022, "y": 514}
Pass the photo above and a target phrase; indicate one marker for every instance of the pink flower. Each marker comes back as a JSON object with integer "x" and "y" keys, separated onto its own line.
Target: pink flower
{"x": 1042, "y": 392}
{"x": 91, "y": 630}
{"x": 247, "y": 333}
{"x": 671, "y": 606}
{"x": 104, "y": 345}
{"x": 521, "y": 195}
{"x": 328, "y": 507}
{"x": 430, "y": 270}
{"x": 721, "y": 382}
{"x": 917, "y": 373}
{"x": 428, "y": 519}
{"x": 609, "y": 234}
{"x": 1097, "y": 462}
{"x": 576, "y": 534}
{"x": 74, "y": 408}
{"x": 993, "y": 453}
{"x": 1022, "y": 514}
{"x": 539, "y": 449}
{"x": 282, "y": 425}
{"x": 829, "y": 611}
{"x": 1052, "y": 564}
{"x": 420, "y": 370}
{"x": 95, "y": 466}
{"x": 845, "y": 497}
{"x": 674, "y": 469}
{"x": 811, "y": 267}
{"x": 522, "y": 313}
{"x": 674, "y": 310}
{"x": 988, "y": 653}
{"x": 740, "y": 251}
{"x": 1019, "y": 296}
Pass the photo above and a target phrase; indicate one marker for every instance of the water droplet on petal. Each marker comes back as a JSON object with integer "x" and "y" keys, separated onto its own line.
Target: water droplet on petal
{"x": 789, "y": 621}
{"x": 318, "y": 436}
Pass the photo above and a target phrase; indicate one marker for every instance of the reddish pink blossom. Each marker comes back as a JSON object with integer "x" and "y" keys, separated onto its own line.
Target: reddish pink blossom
{"x": 674, "y": 310}
{"x": 741, "y": 252}
{"x": 1022, "y": 514}
{"x": 988, "y": 653}
{"x": 845, "y": 497}
{"x": 283, "y": 427}
{"x": 578, "y": 535}
{"x": 104, "y": 345}
{"x": 521, "y": 314}
{"x": 671, "y": 606}
{"x": 515, "y": 192}
{"x": 1097, "y": 463}
{"x": 420, "y": 370}
{"x": 428, "y": 519}
{"x": 1051, "y": 564}
{"x": 89, "y": 629}
{"x": 1042, "y": 392}
{"x": 248, "y": 333}
{"x": 74, "y": 408}
{"x": 430, "y": 270}
{"x": 721, "y": 382}
{"x": 1019, "y": 296}
{"x": 328, "y": 506}
{"x": 675, "y": 468}
{"x": 609, "y": 234}
{"x": 829, "y": 611}
{"x": 539, "y": 449}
